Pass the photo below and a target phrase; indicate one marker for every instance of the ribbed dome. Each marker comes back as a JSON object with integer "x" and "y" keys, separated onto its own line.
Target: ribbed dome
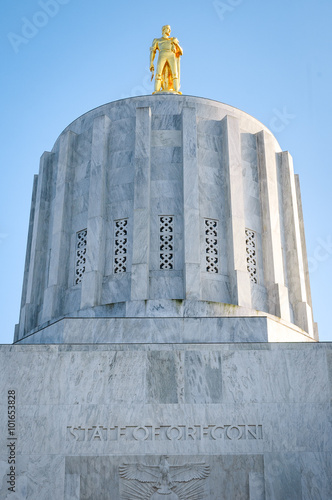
{"x": 166, "y": 207}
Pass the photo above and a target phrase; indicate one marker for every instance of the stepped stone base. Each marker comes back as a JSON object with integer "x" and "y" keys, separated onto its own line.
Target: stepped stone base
{"x": 182, "y": 421}
{"x": 263, "y": 328}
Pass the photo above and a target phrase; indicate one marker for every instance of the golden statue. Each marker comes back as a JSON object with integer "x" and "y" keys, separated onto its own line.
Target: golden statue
{"x": 168, "y": 66}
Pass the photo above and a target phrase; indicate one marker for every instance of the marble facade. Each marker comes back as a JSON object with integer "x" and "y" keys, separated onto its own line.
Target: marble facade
{"x": 257, "y": 415}
{"x": 166, "y": 347}
{"x": 191, "y": 159}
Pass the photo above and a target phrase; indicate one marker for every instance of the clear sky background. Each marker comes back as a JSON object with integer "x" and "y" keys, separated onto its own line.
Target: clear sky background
{"x": 61, "y": 58}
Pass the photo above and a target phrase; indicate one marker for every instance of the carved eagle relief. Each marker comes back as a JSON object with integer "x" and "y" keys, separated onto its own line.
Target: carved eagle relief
{"x": 163, "y": 481}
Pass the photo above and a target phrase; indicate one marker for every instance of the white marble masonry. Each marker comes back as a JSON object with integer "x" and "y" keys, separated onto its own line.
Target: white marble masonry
{"x": 141, "y": 215}
{"x": 271, "y": 236}
{"x": 59, "y": 228}
{"x": 96, "y": 230}
{"x": 187, "y": 158}
{"x": 166, "y": 347}
{"x": 239, "y": 276}
{"x": 191, "y": 215}
{"x": 295, "y": 271}
{"x": 257, "y": 416}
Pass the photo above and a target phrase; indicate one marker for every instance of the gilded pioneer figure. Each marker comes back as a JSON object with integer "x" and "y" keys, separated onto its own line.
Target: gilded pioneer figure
{"x": 168, "y": 66}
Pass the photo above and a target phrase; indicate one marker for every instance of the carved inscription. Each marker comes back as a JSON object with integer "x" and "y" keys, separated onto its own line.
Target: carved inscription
{"x": 144, "y": 481}
{"x": 227, "y": 432}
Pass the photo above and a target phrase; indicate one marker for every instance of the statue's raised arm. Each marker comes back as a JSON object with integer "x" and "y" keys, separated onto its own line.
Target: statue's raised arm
{"x": 167, "y": 79}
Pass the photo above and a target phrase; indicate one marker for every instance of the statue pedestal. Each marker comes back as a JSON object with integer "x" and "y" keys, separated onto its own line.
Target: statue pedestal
{"x": 167, "y": 92}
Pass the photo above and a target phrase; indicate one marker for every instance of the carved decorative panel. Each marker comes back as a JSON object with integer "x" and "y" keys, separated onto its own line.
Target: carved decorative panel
{"x": 166, "y": 242}
{"x": 251, "y": 254}
{"x": 80, "y": 259}
{"x": 120, "y": 246}
{"x": 211, "y": 245}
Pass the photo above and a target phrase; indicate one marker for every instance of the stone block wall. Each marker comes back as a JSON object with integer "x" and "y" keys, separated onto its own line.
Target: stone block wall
{"x": 249, "y": 421}
{"x": 168, "y": 199}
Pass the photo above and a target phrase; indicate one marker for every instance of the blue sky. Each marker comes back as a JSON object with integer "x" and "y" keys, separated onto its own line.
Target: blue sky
{"x": 61, "y": 58}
